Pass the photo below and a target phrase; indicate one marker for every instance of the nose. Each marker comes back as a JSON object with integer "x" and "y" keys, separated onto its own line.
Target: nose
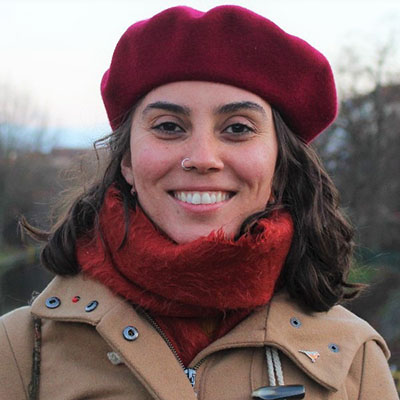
{"x": 203, "y": 155}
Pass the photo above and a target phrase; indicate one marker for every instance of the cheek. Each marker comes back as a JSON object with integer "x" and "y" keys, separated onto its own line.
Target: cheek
{"x": 257, "y": 169}
{"x": 149, "y": 163}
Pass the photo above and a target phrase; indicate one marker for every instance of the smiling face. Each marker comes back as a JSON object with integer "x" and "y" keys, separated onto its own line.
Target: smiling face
{"x": 228, "y": 138}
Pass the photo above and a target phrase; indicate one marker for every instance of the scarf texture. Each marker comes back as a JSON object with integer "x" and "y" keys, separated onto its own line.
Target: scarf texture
{"x": 195, "y": 291}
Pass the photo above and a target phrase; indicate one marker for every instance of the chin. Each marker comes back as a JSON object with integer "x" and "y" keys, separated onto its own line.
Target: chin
{"x": 190, "y": 236}
{"x": 182, "y": 238}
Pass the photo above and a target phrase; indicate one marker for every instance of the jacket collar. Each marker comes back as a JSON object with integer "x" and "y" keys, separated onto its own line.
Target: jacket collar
{"x": 111, "y": 317}
{"x": 286, "y": 326}
{"x": 282, "y": 324}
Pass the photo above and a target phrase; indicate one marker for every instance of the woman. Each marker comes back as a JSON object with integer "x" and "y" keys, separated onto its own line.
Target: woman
{"x": 208, "y": 260}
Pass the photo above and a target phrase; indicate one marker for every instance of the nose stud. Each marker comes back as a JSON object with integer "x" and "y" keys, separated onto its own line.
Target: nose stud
{"x": 183, "y": 164}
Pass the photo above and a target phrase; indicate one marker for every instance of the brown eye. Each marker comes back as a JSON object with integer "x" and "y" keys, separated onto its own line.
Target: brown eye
{"x": 238, "y": 129}
{"x": 168, "y": 127}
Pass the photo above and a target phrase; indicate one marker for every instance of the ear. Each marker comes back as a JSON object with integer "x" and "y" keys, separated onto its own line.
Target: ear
{"x": 126, "y": 169}
{"x": 272, "y": 197}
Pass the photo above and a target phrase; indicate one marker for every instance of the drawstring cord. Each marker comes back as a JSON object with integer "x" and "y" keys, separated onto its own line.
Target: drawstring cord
{"x": 275, "y": 375}
{"x": 274, "y": 366}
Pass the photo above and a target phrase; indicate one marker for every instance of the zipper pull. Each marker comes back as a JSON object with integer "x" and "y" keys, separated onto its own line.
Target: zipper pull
{"x": 191, "y": 374}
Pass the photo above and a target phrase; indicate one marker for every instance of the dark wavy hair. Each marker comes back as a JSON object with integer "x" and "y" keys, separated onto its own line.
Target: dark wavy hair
{"x": 317, "y": 266}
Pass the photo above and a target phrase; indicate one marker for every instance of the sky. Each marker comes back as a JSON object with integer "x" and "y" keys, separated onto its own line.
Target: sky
{"x": 54, "y": 52}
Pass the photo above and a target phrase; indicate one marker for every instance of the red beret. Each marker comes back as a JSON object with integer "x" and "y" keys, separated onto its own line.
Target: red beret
{"x": 228, "y": 44}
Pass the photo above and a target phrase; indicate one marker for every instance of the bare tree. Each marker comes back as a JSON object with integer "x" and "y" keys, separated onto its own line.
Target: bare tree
{"x": 25, "y": 173}
{"x": 361, "y": 149}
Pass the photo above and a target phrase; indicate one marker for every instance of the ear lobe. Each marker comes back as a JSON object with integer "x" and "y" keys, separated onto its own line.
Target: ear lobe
{"x": 126, "y": 169}
{"x": 272, "y": 197}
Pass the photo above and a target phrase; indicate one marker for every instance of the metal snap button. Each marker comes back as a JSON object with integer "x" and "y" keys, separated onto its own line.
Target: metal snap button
{"x": 53, "y": 302}
{"x": 334, "y": 348}
{"x": 91, "y": 306}
{"x": 130, "y": 333}
{"x": 295, "y": 322}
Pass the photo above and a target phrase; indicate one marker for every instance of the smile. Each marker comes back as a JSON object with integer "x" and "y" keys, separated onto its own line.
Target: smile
{"x": 203, "y": 197}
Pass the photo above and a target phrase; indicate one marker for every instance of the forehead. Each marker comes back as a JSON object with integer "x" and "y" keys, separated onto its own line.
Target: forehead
{"x": 201, "y": 94}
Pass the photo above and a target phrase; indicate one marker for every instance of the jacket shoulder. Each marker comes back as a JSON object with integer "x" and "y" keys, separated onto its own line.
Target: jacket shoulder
{"x": 16, "y": 344}
{"x": 338, "y": 324}
{"x": 338, "y": 338}
{"x": 351, "y": 323}
{"x": 369, "y": 377}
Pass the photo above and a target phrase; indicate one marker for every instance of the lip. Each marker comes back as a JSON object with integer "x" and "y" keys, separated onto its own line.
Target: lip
{"x": 202, "y": 189}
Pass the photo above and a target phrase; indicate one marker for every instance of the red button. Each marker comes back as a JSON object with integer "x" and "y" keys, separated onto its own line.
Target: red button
{"x": 75, "y": 299}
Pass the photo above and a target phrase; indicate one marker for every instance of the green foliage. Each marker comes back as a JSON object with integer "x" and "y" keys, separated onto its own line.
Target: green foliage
{"x": 367, "y": 264}
{"x": 360, "y": 273}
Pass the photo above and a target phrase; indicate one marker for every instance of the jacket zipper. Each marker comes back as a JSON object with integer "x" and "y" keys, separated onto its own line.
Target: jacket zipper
{"x": 190, "y": 372}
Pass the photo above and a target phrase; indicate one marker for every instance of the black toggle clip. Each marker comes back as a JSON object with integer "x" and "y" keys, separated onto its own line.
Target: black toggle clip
{"x": 279, "y": 392}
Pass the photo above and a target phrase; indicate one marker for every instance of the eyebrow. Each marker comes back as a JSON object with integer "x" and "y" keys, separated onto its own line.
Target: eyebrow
{"x": 238, "y": 106}
{"x": 224, "y": 109}
{"x": 164, "y": 105}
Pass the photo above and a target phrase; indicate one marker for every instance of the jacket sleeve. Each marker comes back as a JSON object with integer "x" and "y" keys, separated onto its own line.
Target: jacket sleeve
{"x": 375, "y": 378}
{"x": 16, "y": 346}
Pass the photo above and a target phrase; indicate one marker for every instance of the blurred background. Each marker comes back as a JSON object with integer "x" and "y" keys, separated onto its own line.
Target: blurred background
{"x": 53, "y": 55}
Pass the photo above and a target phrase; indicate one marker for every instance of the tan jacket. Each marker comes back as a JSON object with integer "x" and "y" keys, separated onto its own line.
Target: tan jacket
{"x": 77, "y": 346}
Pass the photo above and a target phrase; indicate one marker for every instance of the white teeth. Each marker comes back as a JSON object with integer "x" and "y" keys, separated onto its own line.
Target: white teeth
{"x": 196, "y": 199}
{"x": 202, "y": 197}
{"x": 205, "y": 198}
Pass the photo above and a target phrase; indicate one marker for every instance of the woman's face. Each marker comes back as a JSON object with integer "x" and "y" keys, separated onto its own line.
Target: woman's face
{"x": 228, "y": 136}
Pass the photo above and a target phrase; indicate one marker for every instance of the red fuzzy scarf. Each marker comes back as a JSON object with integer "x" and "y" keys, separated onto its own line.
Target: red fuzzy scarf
{"x": 181, "y": 284}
